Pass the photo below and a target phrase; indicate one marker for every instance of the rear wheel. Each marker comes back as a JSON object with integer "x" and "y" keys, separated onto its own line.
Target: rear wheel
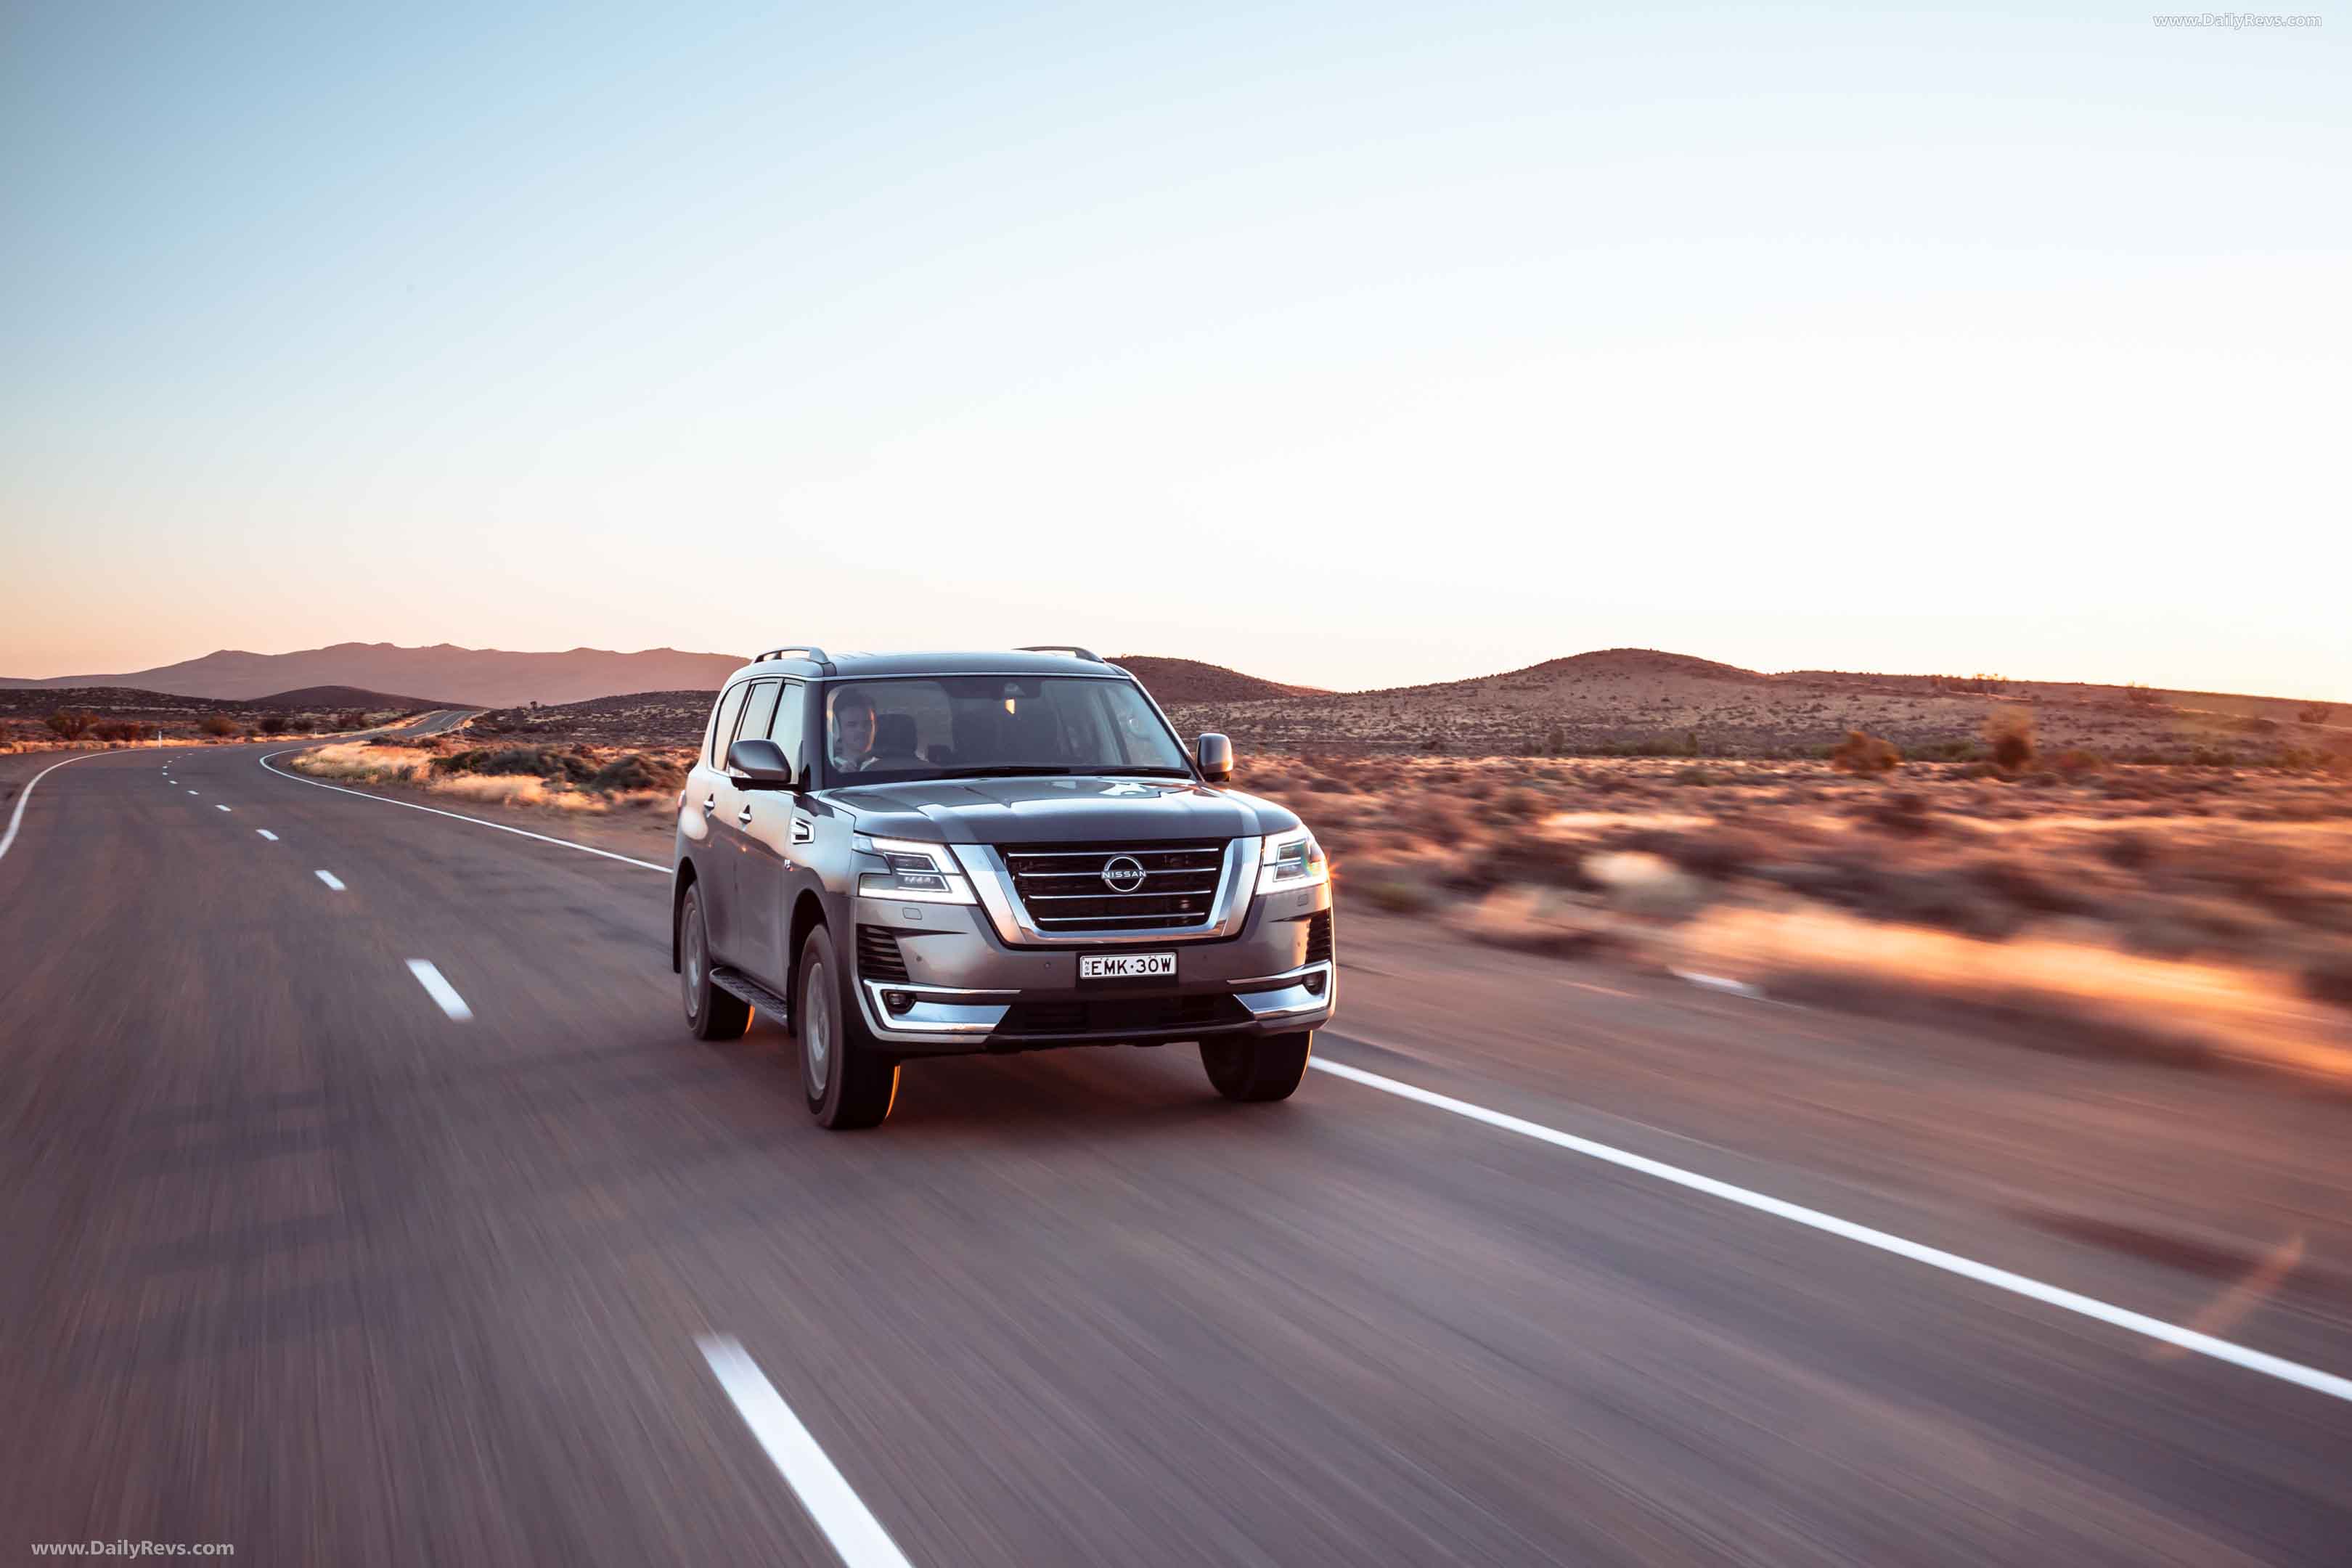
{"x": 847, "y": 1080}
{"x": 1257, "y": 1066}
{"x": 711, "y": 1013}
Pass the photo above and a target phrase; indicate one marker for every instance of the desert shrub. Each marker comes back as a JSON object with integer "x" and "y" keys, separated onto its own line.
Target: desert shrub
{"x": 2130, "y": 851}
{"x": 1696, "y": 776}
{"x": 1904, "y": 811}
{"x": 2142, "y": 696}
{"x": 2255, "y": 726}
{"x": 636, "y": 770}
{"x": 71, "y": 723}
{"x": 2316, "y": 713}
{"x": 351, "y": 720}
{"x": 2328, "y": 978}
{"x": 567, "y": 762}
{"x": 120, "y": 730}
{"x": 2074, "y": 762}
{"x": 273, "y": 724}
{"x": 1946, "y": 752}
{"x": 1520, "y": 805}
{"x": 2027, "y": 888}
{"x": 2147, "y": 759}
{"x": 218, "y": 724}
{"x": 1719, "y": 855}
{"x": 2213, "y": 757}
{"x": 1397, "y": 895}
{"x": 2009, "y": 732}
{"x": 1865, "y": 754}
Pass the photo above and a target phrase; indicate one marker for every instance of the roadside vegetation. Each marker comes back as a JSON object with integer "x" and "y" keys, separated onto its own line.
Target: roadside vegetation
{"x": 2198, "y": 915}
{"x": 2194, "y": 909}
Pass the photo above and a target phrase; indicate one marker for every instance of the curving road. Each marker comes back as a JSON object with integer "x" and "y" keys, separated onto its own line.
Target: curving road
{"x": 366, "y": 1202}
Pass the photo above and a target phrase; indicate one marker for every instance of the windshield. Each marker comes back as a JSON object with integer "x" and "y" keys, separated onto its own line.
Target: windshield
{"x": 971, "y": 726}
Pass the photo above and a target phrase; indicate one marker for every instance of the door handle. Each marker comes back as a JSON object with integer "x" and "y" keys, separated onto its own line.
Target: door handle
{"x": 744, "y": 816}
{"x": 709, "y": 802}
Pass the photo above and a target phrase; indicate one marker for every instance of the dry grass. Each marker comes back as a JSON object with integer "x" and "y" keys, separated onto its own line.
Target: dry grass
{"x": 2193, "y": 914}
{"x": 2185, "y": 1010}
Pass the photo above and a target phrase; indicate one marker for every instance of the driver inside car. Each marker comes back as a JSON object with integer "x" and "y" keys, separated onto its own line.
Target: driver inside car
{"x": 851, "y": 744}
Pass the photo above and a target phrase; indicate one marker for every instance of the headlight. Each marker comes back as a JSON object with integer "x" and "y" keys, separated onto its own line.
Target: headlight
{"x": 919, "y": 873}
{"x": 1291, "y": 860}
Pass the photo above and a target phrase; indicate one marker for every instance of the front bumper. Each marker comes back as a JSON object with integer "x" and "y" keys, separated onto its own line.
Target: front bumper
{"x": 966, "y": 990}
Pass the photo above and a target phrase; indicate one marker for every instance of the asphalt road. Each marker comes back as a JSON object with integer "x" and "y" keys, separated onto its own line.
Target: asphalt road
{"x": 312, "y": 1254}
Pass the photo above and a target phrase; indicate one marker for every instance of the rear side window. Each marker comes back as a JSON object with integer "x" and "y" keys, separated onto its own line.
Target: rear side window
{"x": 722, "y": 724}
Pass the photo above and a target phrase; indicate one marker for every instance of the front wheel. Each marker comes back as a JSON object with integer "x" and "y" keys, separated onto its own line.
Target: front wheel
{"x": 1257, "y": 1066}
{"x": 711, "y": 1013}
{"x": 847, "y": 1080}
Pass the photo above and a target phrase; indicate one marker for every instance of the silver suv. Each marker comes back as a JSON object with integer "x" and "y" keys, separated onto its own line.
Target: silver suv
{"x": 916, "y": 855}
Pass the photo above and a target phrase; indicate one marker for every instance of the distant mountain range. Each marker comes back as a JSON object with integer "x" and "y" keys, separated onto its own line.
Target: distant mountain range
{"x": 480, "y": 678}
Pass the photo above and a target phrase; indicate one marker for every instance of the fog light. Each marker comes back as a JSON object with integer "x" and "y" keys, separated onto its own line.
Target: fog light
{"x": 1314, "y": 983}
{"x": 897, "y": 1001}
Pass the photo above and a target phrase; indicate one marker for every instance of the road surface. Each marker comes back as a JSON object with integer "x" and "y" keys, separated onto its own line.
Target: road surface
{"x": 367, "y": 1202}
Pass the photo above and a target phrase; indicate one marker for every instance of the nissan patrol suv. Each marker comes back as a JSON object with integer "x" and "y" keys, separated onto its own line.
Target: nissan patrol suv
{"x": 911, "y": 855}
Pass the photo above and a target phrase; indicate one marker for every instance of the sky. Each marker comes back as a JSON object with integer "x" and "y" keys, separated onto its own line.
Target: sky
{"x": 1347, "y": 345}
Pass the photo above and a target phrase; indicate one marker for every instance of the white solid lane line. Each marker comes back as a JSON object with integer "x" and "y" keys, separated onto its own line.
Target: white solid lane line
{"x": 459, "y": 816}
{"x": 333, "y": 882}
{"x": 857, "y": 1536}
{"x": 440, "y": 990}
{"x": 266, "y": 834}
{"x": 1935, "y": 1258}
{"x": 17, "y": 815}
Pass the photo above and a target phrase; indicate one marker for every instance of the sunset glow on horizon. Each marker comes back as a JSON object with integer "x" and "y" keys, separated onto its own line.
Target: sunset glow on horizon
{"x": 1350, "y": 348}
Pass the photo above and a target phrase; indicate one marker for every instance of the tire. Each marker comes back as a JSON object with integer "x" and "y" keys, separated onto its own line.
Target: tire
{"x": 1257, "y": 1066}
{"x": 846, "y": 1079}
{"x": 711, "y": 1014}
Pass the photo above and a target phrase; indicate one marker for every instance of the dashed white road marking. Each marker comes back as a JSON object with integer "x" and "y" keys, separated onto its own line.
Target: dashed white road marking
{"x": 192, "y": 791}
{"x": 854, "y": 1533}
{"x": 266, "y": 834}
{"x": 440, "y": 990}
{"x": 335, "y": 882}
{"x": 1933, "y": 1257}
{"x": 219, "y": 808}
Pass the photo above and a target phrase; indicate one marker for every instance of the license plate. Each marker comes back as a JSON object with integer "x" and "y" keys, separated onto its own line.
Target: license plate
{"x": 1127, "y": 966}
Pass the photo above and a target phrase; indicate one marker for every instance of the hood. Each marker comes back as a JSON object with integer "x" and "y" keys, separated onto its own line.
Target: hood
{"x": 1059, "y": 810}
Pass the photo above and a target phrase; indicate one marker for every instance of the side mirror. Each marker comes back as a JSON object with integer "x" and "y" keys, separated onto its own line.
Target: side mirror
{"x": 1215, "y": 755}
{"x": 759, "y": 765}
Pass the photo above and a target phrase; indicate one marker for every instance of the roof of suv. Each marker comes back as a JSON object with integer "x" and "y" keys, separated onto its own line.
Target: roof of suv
{"x": 1003, "y": 661}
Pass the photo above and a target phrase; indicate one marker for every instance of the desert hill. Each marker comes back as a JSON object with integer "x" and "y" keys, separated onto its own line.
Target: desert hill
{"x": 312, "y": 698}
{"x": 1191, "y": 681}
{"x": 484, "y": 678}
{"x": 1651, "y": 702}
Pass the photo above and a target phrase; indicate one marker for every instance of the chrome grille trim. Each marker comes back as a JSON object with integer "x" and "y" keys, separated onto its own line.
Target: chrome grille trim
{"x": 992, "y": 883}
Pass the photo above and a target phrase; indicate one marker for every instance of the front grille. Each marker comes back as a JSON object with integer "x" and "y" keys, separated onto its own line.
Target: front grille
{"x": 1062, "y": 885}
{"x": 1318, "y": 937}
{"x": 1116, "y": 1014}
{"x": 877, "y": 955}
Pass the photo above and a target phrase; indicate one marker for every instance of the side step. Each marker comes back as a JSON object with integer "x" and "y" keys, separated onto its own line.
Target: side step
{"x": 749, "y": 990}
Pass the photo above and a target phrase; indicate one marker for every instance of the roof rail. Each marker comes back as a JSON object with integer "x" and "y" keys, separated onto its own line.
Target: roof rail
{"x": 1089, "y": 655}
{"x": 815, "y": 655}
